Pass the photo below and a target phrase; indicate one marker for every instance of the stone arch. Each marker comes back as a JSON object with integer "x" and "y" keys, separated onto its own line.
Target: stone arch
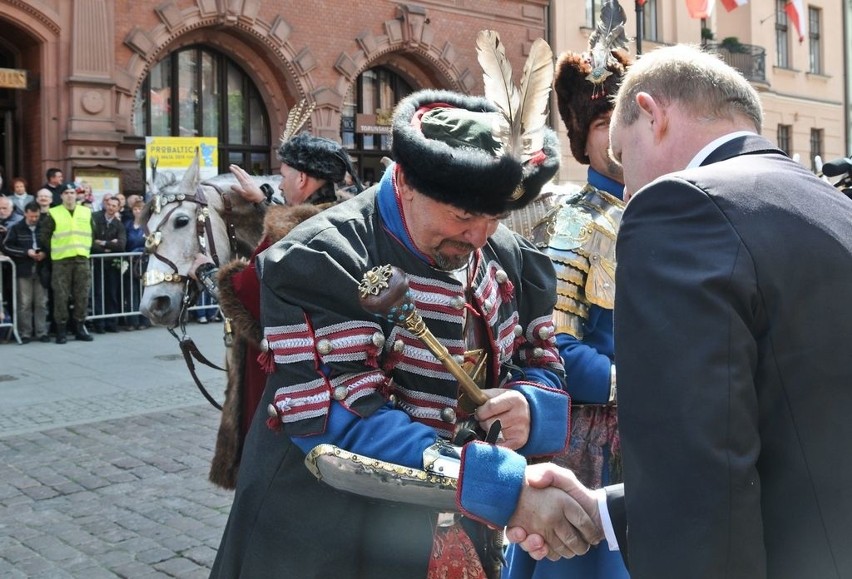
{"x": 408, "y": 47}
{"x": 282, "y": 75}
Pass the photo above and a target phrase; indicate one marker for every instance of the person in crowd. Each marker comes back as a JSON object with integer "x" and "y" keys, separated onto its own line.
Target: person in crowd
{"x": 8, "y": 215}
{"x": 4, "y": 185}
{"x": 23, "y": 244}
{"x": 108, "y": 237}
{"x": 43, "y": 198}
{"x": 20, "y": 198}
{"x": 67, "y": 234}
{"x": 734, "y": 385}
{"x": 311, "y": 167}
{"x": 135, "y": 244}
{"x": 579, "y": 235}
{"x": 55, "y": 184}
{"x": 128, "y": 215}
{"x": 364, "y": 385}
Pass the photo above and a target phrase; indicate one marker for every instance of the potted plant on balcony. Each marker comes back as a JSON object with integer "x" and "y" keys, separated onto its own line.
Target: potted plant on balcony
{"x": 732, "y": 44}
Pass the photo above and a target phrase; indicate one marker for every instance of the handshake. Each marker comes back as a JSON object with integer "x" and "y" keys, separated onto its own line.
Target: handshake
{"x": 556, "y": 515}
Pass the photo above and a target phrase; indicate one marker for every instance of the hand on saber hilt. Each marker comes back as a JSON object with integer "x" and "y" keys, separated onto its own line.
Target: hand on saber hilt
{"x": 383, "y": 291}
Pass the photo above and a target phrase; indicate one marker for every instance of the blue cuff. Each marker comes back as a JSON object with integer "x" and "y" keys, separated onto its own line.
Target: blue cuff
{"x": 549, "y": 417}
{"x": 490, "y": 483}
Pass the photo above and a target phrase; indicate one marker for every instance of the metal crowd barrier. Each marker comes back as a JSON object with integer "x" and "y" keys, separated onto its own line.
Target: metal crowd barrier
{"x": 126, "y": 275}
{"x": 8, "y": 306}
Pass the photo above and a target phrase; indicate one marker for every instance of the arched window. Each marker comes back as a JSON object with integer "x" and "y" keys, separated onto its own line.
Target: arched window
{"x": 366, "y": 119}
{"x": 197, "y": 91}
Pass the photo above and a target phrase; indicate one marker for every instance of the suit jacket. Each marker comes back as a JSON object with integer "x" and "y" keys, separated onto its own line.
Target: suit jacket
{"x": 733, "y": 333}
{"x": 101, "y": 230}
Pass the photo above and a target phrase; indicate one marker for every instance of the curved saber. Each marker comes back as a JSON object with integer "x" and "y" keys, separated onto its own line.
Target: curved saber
{"x": 383, "y": 291}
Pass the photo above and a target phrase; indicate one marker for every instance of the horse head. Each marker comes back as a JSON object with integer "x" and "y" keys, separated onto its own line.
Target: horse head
{"x": 182, "y": 221}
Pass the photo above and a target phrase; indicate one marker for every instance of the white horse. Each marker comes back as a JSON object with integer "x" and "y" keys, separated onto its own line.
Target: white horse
{"x": 184, "y": 220}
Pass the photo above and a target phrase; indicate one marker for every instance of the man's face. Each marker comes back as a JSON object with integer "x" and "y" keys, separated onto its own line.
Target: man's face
{"x": 5, "y": 208}
{"x": 291, "y": 189}
{"x": 69, "y": 198}
{"x": 44, "y": 198}
{"x": 31, "y": 217}
{"x": 597, "y": 148}
{"x": 57, "y": 178}
{"x": 632, "y": 146}
{"x": 445, "y": 233}
{"x": 111, "y": 207}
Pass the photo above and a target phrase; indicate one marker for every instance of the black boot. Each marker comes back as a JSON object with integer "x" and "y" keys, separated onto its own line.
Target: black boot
{"x": 82, "y": 333}
{"x": 61, "y": 334}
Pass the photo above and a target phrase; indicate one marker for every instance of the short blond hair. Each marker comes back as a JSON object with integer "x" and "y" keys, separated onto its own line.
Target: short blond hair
{"x": 693, "y": 78}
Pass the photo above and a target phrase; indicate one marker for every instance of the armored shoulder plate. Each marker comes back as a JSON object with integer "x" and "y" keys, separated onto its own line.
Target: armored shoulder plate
{"x": 579, "y": 236}
{"x": 523, "y": 221}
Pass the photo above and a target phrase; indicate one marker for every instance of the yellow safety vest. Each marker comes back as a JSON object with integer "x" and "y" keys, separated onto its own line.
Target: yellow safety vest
{"x": 72, "y": 236}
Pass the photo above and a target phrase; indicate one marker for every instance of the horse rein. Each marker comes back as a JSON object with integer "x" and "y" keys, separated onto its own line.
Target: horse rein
{"x": 203, "y": 233}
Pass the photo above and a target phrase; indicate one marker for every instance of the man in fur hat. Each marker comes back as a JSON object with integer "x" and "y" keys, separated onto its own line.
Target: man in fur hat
{"x": 310, "y": 169}
{"x": 579, "y": 236}
{"x": 345, "y": 377}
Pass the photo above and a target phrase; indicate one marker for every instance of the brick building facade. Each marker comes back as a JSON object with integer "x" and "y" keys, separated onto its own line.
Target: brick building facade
{"x": 102, "y": 73}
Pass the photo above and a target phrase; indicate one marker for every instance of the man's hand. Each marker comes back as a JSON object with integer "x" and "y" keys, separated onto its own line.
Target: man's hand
{"x": 246, "y": 188}
{"x": 512, "y": 410}
{"x": 200, "y": 258}
{"x": 563, "y": 524}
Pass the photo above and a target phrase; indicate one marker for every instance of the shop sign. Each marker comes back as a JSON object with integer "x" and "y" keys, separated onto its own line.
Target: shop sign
{"x": 13, "y": 78}
{"x": 378, "y": 124}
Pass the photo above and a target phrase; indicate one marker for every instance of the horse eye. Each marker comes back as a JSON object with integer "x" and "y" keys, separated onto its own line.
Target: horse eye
{"x": 181, "y": 221}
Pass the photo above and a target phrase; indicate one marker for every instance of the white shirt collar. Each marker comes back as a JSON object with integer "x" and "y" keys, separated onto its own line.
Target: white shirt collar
{"x": 713, "y": 145}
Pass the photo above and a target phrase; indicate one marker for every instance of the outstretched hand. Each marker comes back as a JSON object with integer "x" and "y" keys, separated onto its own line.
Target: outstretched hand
{"x": 246, "y": 187}
{"x": 556, "y": 515}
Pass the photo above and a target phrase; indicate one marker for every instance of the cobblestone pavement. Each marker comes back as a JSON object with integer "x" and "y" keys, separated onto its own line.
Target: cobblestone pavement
{"x": 104, "y": 450}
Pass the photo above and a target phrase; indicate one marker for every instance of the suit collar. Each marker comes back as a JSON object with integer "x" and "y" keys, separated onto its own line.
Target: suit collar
{"x": 738, "y": 144}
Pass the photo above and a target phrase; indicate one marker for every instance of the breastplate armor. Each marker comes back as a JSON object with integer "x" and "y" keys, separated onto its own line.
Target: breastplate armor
{"x": 579, "y": 236}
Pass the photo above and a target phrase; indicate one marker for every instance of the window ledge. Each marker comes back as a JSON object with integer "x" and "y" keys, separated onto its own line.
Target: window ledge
{"x": 818, "y": 76}
{"x": 785, "y": 71}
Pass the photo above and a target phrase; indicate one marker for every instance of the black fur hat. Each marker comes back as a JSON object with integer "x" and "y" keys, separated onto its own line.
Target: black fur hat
{"x": 443, "y": 141}
{"x": 579, "y": 100}
{"x": 318, "y": 157}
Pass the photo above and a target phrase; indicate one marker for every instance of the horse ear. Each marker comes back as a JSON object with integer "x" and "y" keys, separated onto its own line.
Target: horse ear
{"x": 192, "y": 177}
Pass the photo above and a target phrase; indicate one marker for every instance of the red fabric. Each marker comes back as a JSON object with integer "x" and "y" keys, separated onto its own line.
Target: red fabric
{"x": 700, "y": 8}
{"x": 796, "y": 13}
{"x": 454, "y": 556}
{"x": 247, "y": 289}
{"x": 731, "y": 4}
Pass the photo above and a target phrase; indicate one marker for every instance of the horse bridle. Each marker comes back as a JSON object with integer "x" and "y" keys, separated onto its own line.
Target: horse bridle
{"x": 203, "y": 233}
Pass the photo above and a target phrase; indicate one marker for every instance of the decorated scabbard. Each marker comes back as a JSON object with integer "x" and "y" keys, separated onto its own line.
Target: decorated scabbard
{"x": 383, "y": 291}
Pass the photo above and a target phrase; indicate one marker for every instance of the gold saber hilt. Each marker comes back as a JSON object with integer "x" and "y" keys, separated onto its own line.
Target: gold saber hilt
{"x": 383, "y": 291}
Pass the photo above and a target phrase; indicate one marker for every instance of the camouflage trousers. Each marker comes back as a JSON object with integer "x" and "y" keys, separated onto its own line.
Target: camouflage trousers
{"x": 70, "y": 281}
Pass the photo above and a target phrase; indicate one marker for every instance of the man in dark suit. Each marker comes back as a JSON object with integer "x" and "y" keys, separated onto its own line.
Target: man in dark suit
{"x": 108, "y": 236}
{"x": 733, "y": 332}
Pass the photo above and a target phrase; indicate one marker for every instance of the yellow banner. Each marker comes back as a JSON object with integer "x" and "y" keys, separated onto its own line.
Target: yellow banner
{"x": 174, "y": 155}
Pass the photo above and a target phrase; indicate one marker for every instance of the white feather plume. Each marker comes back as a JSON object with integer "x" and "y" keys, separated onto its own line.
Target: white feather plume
{"x": 523, "y": 111}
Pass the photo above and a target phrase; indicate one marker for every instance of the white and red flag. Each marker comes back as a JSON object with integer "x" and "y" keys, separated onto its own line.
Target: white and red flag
{"x": 700, "y": 8}
{"x": 796, "y": 14}
{"x": 731, "y": 4}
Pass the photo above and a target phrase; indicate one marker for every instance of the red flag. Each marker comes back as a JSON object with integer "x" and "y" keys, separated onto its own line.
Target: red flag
{"x": 796, "y": 14}
{"x": 731, "y": 4}
{"x": 640, "y": 2}
{"x": 700, "y": 8}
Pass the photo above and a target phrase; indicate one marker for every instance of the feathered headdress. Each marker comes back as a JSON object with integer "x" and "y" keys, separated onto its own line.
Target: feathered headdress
{"x": 585, "y": 81}
{"x": 608, "y": 36}
{"x": 523, "y": 110}
{"x": 316, "y": 156}
{"x": 296, "y": 119}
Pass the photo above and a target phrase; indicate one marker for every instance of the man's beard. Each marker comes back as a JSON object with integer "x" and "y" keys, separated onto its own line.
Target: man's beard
{"x": 452, "y": 262}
